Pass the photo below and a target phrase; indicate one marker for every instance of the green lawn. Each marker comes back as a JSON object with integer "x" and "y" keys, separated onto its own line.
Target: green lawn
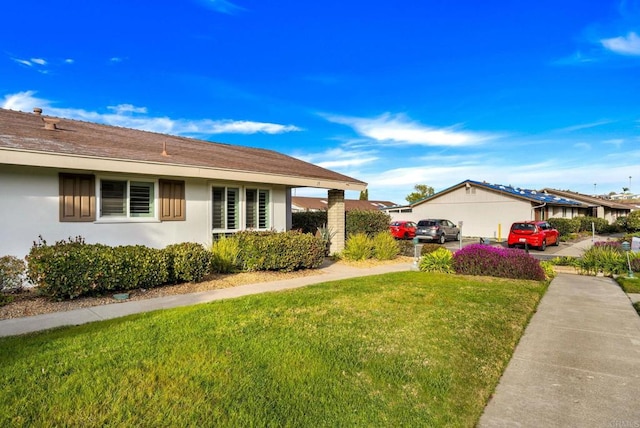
{"x": 402, "y": 349}
{"x": 629, "y": 285}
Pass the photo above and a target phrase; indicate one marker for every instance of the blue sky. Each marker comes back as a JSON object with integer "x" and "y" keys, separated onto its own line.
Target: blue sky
{"x": 532, "y": 94}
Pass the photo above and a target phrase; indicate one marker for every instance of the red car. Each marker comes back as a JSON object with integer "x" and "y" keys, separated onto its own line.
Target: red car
{"x": 537, "y": 234}
{"x": 403, "y": 229}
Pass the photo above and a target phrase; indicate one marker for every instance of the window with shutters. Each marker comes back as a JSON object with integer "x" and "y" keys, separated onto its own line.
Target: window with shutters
{"x": 225, "y": 203}
{"x": 77, "y": 197}
{"x": 257, "y": 209}
{"x": 127, "y": 199}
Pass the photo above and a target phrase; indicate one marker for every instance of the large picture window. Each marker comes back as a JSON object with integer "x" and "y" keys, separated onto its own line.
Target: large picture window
{"x": 129, "y": 199}
{"x": 235, "y": 209}
{"x": 257, "y": 209}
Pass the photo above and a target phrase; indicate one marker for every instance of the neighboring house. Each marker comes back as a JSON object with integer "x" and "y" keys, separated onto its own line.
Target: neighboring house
{"x": 599, "y": 207}
{"x": 488, "y": 210}
{"x": 306, "y": 203}
{"x": 64, "y": 178}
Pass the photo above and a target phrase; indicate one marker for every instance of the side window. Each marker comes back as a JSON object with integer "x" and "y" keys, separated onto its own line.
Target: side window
{"x": 225, "y": 208}
{"x": 172, "y": 200}
{"x": 77, "y": 197}
{"x": 130, "y": 199}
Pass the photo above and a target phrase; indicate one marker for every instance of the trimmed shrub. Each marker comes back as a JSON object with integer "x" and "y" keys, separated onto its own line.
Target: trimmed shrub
{"x": 429, "y": 248}
{"x": 478, "y": 259}
{"x": 385, "y": 246}
{"x": 440, "y": 260}
{"x": 633, "y": 221}
{"x": 136, "y": 266}
{"x": 279, "y": 251}
{"x": 12, "y": 274}
{"x": 599, "y": 224}
{"x": 359, "y": 246}
{"x": 188, "y": 262}
{"x": 225, "y": 255}
{"x": 368, "y": 222}
{"x": 565, "y": 226}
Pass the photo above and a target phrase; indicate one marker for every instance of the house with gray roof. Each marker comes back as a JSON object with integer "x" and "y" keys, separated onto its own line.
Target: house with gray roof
{"x": 63, "y": 178}
{"x": 488, "y": 210}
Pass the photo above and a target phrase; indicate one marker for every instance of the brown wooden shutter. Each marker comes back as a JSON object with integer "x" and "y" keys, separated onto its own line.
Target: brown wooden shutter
{"x": 172, "y": 200}
{"x": 77, "y": 197}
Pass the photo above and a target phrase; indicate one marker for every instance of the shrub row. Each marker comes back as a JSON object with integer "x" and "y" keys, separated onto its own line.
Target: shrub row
{"x": 285, "y": 251}
{"x": 356, "y": 221}
{"x": 568, "y": 226}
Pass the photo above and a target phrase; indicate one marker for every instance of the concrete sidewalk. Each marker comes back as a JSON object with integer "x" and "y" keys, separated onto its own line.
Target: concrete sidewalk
{"x": 577, "y": 364}
{"x": 328, "y": 272}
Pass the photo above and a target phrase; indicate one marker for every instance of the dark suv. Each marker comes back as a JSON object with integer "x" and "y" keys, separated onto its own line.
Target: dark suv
{"x": 439, "y": 230}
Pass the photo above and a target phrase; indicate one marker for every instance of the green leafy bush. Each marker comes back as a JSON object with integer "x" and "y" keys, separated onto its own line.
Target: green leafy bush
{"x": 366, "y": 221}
{"x": 385, "y": 246}
{"x": 633, "y": 221}
{"x": 279, "y": 251}
{"x": 603, "y": 257}
{"x": 547, "y": 267}
{"x": 478, "y": 259}
{"x": 189, "y": 262}
{"x": 359, "y": 246}
{"x": 565, "y": 226}
{"x": 135, "y": 266}
{"x": 429, "y": 248}
{"x": 599, "y": 224}
{"x": 440, "y": 260}
{"x": 225, "y": 255}
{"x": 12, "y": 274}
{"x": 564, "y": 261}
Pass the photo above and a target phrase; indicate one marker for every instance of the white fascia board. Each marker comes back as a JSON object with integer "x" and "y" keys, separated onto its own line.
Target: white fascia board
{"x": 88, "y": 163}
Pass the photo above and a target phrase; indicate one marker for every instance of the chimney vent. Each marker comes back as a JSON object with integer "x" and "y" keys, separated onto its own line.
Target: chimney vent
{"x": 50, "y": 123}
{"x": 37, "y": 111}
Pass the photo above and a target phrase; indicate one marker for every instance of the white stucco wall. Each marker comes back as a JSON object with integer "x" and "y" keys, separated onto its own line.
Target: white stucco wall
{"x": 483, "y": 213}
{"x": 29, "y": 207}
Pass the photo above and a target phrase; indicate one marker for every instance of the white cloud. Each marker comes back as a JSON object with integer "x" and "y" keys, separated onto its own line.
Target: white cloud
{"x": 629, "y": 45}
{"x": 26, "y": 101}
{"x": 23, "y": 62}
{"x": 69, "y": 61}
{"x": 222, "y": 6}
{"x": 582, "y": 146}
{"x": 585, "y": 126}
{"x": 38, "y": 61}
{"x": 399, "y": 129}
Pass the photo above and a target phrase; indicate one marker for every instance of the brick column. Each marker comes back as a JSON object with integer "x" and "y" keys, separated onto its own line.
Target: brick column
{"x": 336, "y": 220}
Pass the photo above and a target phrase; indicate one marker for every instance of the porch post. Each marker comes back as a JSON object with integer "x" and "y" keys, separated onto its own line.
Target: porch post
{"x": 336, "y": 219}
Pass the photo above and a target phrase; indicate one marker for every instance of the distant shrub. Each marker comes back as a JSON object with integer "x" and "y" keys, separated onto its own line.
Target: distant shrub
{"x": 359, "y": 246}
{"x": 385, "y": 246}
{"x": 564, "y": 261}
{"x": 279, "y": 251}
{"x": 12, "y": 274}
{"x": 308, "y": 221}
{"x": 606, "y": 258}
{"x": 407, "y": 248}
{"x": 477, "y": 259}
{"x": 600, "y": 225}
{"x": 633, "y": 221}
{"x": 188, "y": 262}
{"x": 366, "y": 221}
{"x": 565, "y": 226}
{"x": 225, "y": 255}
{"x": 440, "y": 260}
{"x": 429, "y": 248}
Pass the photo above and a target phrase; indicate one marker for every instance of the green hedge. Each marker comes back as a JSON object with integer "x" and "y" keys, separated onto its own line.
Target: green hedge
{"x": 189, "y": 262}
{"x": 308, "y": 221}
{"x": 283, "y": 251}
{"x": 368, "y": 222}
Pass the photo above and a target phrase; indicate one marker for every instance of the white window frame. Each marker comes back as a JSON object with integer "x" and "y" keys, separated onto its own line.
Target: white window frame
{"x": 128, "y": 216}
{"x": 242, "y": 208}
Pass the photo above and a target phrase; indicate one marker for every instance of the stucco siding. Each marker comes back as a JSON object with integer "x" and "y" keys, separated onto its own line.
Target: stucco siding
{"x": 30, "y": 208}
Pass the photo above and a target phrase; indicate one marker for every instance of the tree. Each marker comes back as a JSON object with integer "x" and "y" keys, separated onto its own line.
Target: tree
{"x": 422, "y": 191}
{"x": 364, "y": 195}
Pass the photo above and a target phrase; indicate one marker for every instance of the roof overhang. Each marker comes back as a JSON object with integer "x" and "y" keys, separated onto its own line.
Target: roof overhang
{"x": 89, "y": 163}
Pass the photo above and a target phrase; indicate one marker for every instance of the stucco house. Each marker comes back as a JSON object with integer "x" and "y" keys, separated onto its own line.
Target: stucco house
{"x": 63, "y": 178}
{"x": 308, "y": 203}
{"x": 488, "y": 210}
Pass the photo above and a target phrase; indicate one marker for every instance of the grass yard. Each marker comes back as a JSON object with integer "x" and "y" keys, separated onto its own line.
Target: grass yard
{"x": 401, "y": 349}
{"x": 629, "y": 285}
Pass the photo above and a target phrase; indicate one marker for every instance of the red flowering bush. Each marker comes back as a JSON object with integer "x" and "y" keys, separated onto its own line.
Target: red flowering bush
{"x": 478, "y": 259}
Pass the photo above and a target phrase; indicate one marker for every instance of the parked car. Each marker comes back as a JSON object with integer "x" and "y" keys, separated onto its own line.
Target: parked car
{"x": 536, "y": 234}
{"x": 439, "y": 230}
{"x": 403, "y": 229}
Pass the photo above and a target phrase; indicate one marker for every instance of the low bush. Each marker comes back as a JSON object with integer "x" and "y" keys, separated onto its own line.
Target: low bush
{"x": 429, "y": 248}
{"x": 225, "y": 255}
{"x": 549, "y": 272}
{"x": 599, "y": 224}
{"x": 439, "y": 260}
{"x": 280, "y": 251}
{"x": 385, "y": 246}
{"x": 189, "y": 262}
{"x": 477, "y": 259}
{"x": 564, "y": 261}
{"x": 134, "y": 266}
{"x": 565, "y": 226}
{"x": 12, "y": 274}
{"x": 406, "y": 248}
{"x": 359, "y": 246}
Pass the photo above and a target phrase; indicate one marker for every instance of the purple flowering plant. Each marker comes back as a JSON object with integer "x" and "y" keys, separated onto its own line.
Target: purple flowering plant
{"x": 485, "y": 260}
